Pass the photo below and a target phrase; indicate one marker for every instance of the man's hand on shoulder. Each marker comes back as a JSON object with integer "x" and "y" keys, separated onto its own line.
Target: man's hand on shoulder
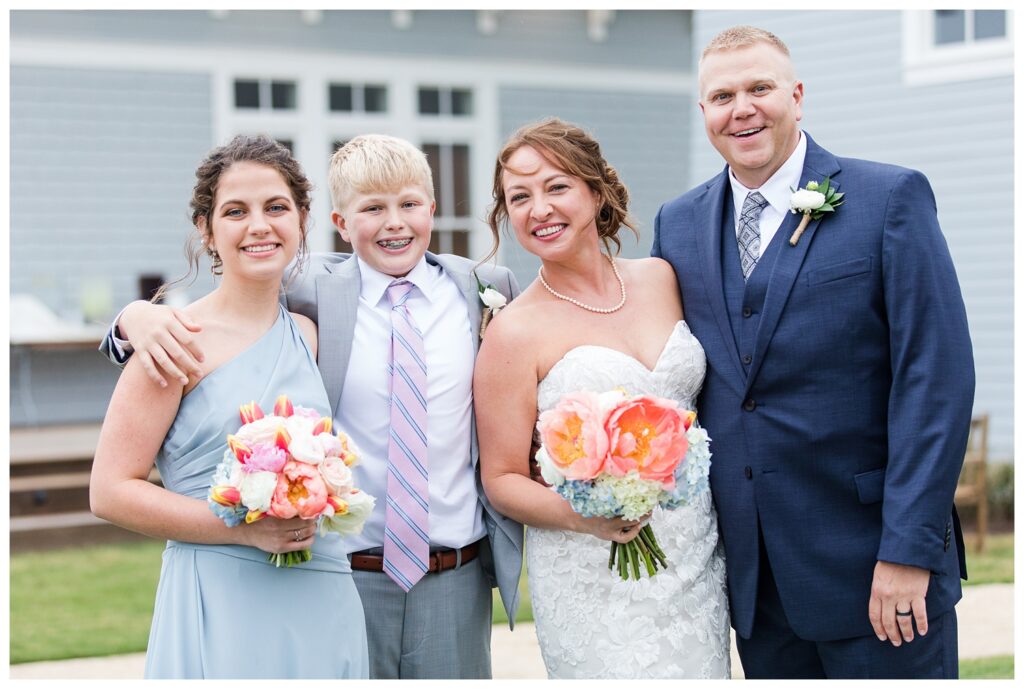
{"x": 163, "y": 340}
{"x": 898, "y": 602}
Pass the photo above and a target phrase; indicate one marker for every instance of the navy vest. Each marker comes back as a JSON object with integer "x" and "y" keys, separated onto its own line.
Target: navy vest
{"x": 744, "y": 300}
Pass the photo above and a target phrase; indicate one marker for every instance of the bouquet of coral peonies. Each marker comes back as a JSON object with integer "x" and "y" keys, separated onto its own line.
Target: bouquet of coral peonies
{"x": 612, "y": 455}
{"x": 289, "y": 465}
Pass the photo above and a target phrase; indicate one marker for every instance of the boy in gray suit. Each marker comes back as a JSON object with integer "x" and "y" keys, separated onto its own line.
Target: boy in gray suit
{"x": 398, "y": 331}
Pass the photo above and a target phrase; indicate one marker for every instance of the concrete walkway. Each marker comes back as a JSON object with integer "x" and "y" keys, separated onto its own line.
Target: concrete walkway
{"x": 985, "y": 621}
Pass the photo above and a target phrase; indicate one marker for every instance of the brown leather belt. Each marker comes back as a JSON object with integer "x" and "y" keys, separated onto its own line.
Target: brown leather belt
{"x": 438, "y": 562}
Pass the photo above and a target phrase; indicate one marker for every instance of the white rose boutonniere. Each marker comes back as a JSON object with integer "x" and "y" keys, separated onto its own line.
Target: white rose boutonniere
{"x": 814, "y": 201}
{"x": 494, "y": 301}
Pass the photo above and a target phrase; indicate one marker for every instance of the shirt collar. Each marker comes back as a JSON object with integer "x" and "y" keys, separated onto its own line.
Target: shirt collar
{"x": 374, "y": 284}
{"x": 779, "y": 186}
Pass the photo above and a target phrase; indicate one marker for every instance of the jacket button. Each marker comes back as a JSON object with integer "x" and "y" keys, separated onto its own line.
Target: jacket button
{"x": 750, "y": 405}
{"x": 747, "y": 358}
{"x": 747, "y": 312}
{"x": 748, "y": 472}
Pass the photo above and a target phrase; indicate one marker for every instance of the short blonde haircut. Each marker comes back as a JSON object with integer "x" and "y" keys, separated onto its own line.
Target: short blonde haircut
{"x": 374, "y": 163}
{"x": 738, "y": 37}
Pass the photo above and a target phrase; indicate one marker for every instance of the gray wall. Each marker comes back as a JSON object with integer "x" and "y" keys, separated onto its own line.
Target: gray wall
{"x": 101, "y": 173}
{"x": 959, "y": 134}
{"x": 635, "y": 38}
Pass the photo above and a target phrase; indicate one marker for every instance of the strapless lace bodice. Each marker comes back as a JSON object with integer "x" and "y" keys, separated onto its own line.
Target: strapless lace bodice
{"x": 591, "y": 624}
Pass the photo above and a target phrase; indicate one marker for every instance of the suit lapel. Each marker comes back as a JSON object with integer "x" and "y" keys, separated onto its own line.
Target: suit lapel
{"x": 337, "y": 298}
{"x": 818, "y": 164}
{"x": 467, "y": 285}
{"x": 709, "y": 213}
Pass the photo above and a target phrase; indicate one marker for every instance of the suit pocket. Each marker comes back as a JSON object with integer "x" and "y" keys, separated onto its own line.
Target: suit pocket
{"x": 870, "y": 486}
{"x": 839, "y": 271}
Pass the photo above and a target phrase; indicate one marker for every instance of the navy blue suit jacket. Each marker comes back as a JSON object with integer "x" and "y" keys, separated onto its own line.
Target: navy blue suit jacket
{"x": 845, "y": 434}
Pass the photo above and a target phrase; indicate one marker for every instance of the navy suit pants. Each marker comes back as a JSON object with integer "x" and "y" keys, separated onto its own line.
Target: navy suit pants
{"x": 774, "y": 651}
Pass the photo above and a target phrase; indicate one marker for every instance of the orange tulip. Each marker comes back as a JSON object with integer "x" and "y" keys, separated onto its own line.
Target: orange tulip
{"x": 242, "y": 451}
{"x": 324, "y": 425}
{"x": 250, "y": 412}
{"x": 282, "y": 407}
{"x": 225, "y": 495}
{"x": 282, "y": 438}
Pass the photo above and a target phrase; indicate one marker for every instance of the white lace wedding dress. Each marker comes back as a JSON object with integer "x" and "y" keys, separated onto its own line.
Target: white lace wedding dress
{"x": 590, "y": 623}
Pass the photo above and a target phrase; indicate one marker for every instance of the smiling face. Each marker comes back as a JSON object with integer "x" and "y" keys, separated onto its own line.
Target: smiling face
{"x": 390, "y": 231}
{"x": 751, "y": 102}
{"x": 548, "y": 208}
{"x": 254, "y": 223}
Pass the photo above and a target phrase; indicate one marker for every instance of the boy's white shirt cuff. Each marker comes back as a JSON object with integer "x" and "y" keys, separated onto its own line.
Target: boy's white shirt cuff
{"x": 122, "y": 348}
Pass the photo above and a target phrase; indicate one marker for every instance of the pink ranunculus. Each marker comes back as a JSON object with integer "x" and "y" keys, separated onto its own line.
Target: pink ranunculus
{"x": 647, "y": 434}
{"x": 574, "y": 436}
{"x": 266, "y": 457}
{"x": 300, "y": 492}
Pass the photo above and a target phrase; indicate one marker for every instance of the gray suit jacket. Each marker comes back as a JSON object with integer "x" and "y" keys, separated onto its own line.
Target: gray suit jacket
{"x": 327, "y": 291}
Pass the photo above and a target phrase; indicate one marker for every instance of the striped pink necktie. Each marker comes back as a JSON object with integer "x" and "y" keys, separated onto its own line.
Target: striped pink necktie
{"x": 406, "y": 526}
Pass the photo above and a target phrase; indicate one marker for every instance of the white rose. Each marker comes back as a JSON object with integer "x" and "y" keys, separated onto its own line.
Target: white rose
{"x": 306, "y": 448}
{"x": 806, "y": 200}
{"x": 299, "y": 426}
{"x": 331, "y": 444}
{"x": 336, "y": 475}
{"x": 493, "y": 298}
{"x": 547, "y": 469}
{"x": 260, "y": 430}
{"x": 257, "y": 488}
{"x": 360, "y": 505}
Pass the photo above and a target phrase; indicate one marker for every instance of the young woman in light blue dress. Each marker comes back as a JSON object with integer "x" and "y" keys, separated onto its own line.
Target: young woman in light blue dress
{"x": 222, "y": 610}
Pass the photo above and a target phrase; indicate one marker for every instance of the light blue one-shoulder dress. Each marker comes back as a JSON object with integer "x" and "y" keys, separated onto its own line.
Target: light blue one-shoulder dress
{"x": 224, "y": 611}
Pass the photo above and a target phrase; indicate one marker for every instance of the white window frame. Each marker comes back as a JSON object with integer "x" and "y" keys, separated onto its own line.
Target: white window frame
{"x": 925, "y": 63}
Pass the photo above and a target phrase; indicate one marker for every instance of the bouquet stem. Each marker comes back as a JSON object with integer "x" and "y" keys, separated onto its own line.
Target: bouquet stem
{"x": 296, "y": 557}
{"x": 628, "y": 556}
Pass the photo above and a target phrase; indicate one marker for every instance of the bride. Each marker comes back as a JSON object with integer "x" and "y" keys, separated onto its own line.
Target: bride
{"x": 593, "y": 322}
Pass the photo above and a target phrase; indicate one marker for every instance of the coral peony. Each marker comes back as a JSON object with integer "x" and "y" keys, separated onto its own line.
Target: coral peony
{"x": 647, "y": 435}
{"x": 300, "y": 492}
{"x": 574, "y": 436}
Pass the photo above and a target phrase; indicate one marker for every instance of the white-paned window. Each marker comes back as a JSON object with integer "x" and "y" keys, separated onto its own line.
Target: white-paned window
{"x": 357, "y": 98}
{"x": 942, "y": 46}
{"x": 453, "y": 216}
{"x": 265, "y": 94}
{"x": 445, "y": 101}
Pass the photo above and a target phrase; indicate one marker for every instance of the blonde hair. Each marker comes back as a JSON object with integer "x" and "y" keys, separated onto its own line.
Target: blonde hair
{"x": 376, "y": 163}
{"x": 737, "y": 37}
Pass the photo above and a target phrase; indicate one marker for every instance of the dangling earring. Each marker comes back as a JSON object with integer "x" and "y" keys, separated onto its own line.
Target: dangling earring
{"x": 216, "y": 265}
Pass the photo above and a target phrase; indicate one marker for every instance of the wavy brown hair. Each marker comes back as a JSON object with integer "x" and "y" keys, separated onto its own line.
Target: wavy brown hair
{"x": 577, "y": 153}
{"x": 258, "y": 149}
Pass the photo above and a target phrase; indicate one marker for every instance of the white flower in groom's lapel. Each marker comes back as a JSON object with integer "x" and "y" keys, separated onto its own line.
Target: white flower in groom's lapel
{"x": 814, "y": 201}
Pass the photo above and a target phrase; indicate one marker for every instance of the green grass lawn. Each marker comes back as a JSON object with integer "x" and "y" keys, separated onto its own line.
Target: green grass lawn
{"x": 996, "y": 667}
{"x": 98, "y": 600}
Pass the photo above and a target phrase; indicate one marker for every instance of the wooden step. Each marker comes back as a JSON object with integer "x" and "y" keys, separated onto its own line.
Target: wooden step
{"x": 63, "y": 520}
{"x": 71, "y": 479}
{"x": 40, "y": 444}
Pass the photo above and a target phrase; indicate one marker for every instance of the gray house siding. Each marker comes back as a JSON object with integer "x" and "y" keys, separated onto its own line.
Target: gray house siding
{"x": 655, "y": 39}
{"x": 102, "y": 169}
{"x": 644, "y": 137}
{"x": 960, "y": 135}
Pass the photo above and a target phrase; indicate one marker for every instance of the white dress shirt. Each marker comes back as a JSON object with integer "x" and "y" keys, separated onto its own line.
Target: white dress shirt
{"x": 776, "y": 191}
{"x": 440, "y": 311}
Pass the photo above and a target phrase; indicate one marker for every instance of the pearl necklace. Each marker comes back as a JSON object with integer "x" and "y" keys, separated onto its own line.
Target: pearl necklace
{"x": 594, "y": 309}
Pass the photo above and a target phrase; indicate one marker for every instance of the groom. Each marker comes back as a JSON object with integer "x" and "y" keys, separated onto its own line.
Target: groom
{"x": 839, "y": 388}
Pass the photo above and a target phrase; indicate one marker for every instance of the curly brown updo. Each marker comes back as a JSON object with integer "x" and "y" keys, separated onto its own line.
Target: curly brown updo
{"x": 574, "y": 151}
{"x": 258, "y": 149}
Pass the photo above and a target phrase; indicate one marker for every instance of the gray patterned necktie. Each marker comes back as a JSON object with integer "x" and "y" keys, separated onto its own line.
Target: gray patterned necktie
{"x": 749, "y": 237}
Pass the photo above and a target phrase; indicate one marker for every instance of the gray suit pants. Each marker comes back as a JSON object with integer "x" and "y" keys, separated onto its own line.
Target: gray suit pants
{"x": 441, "y": 629}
